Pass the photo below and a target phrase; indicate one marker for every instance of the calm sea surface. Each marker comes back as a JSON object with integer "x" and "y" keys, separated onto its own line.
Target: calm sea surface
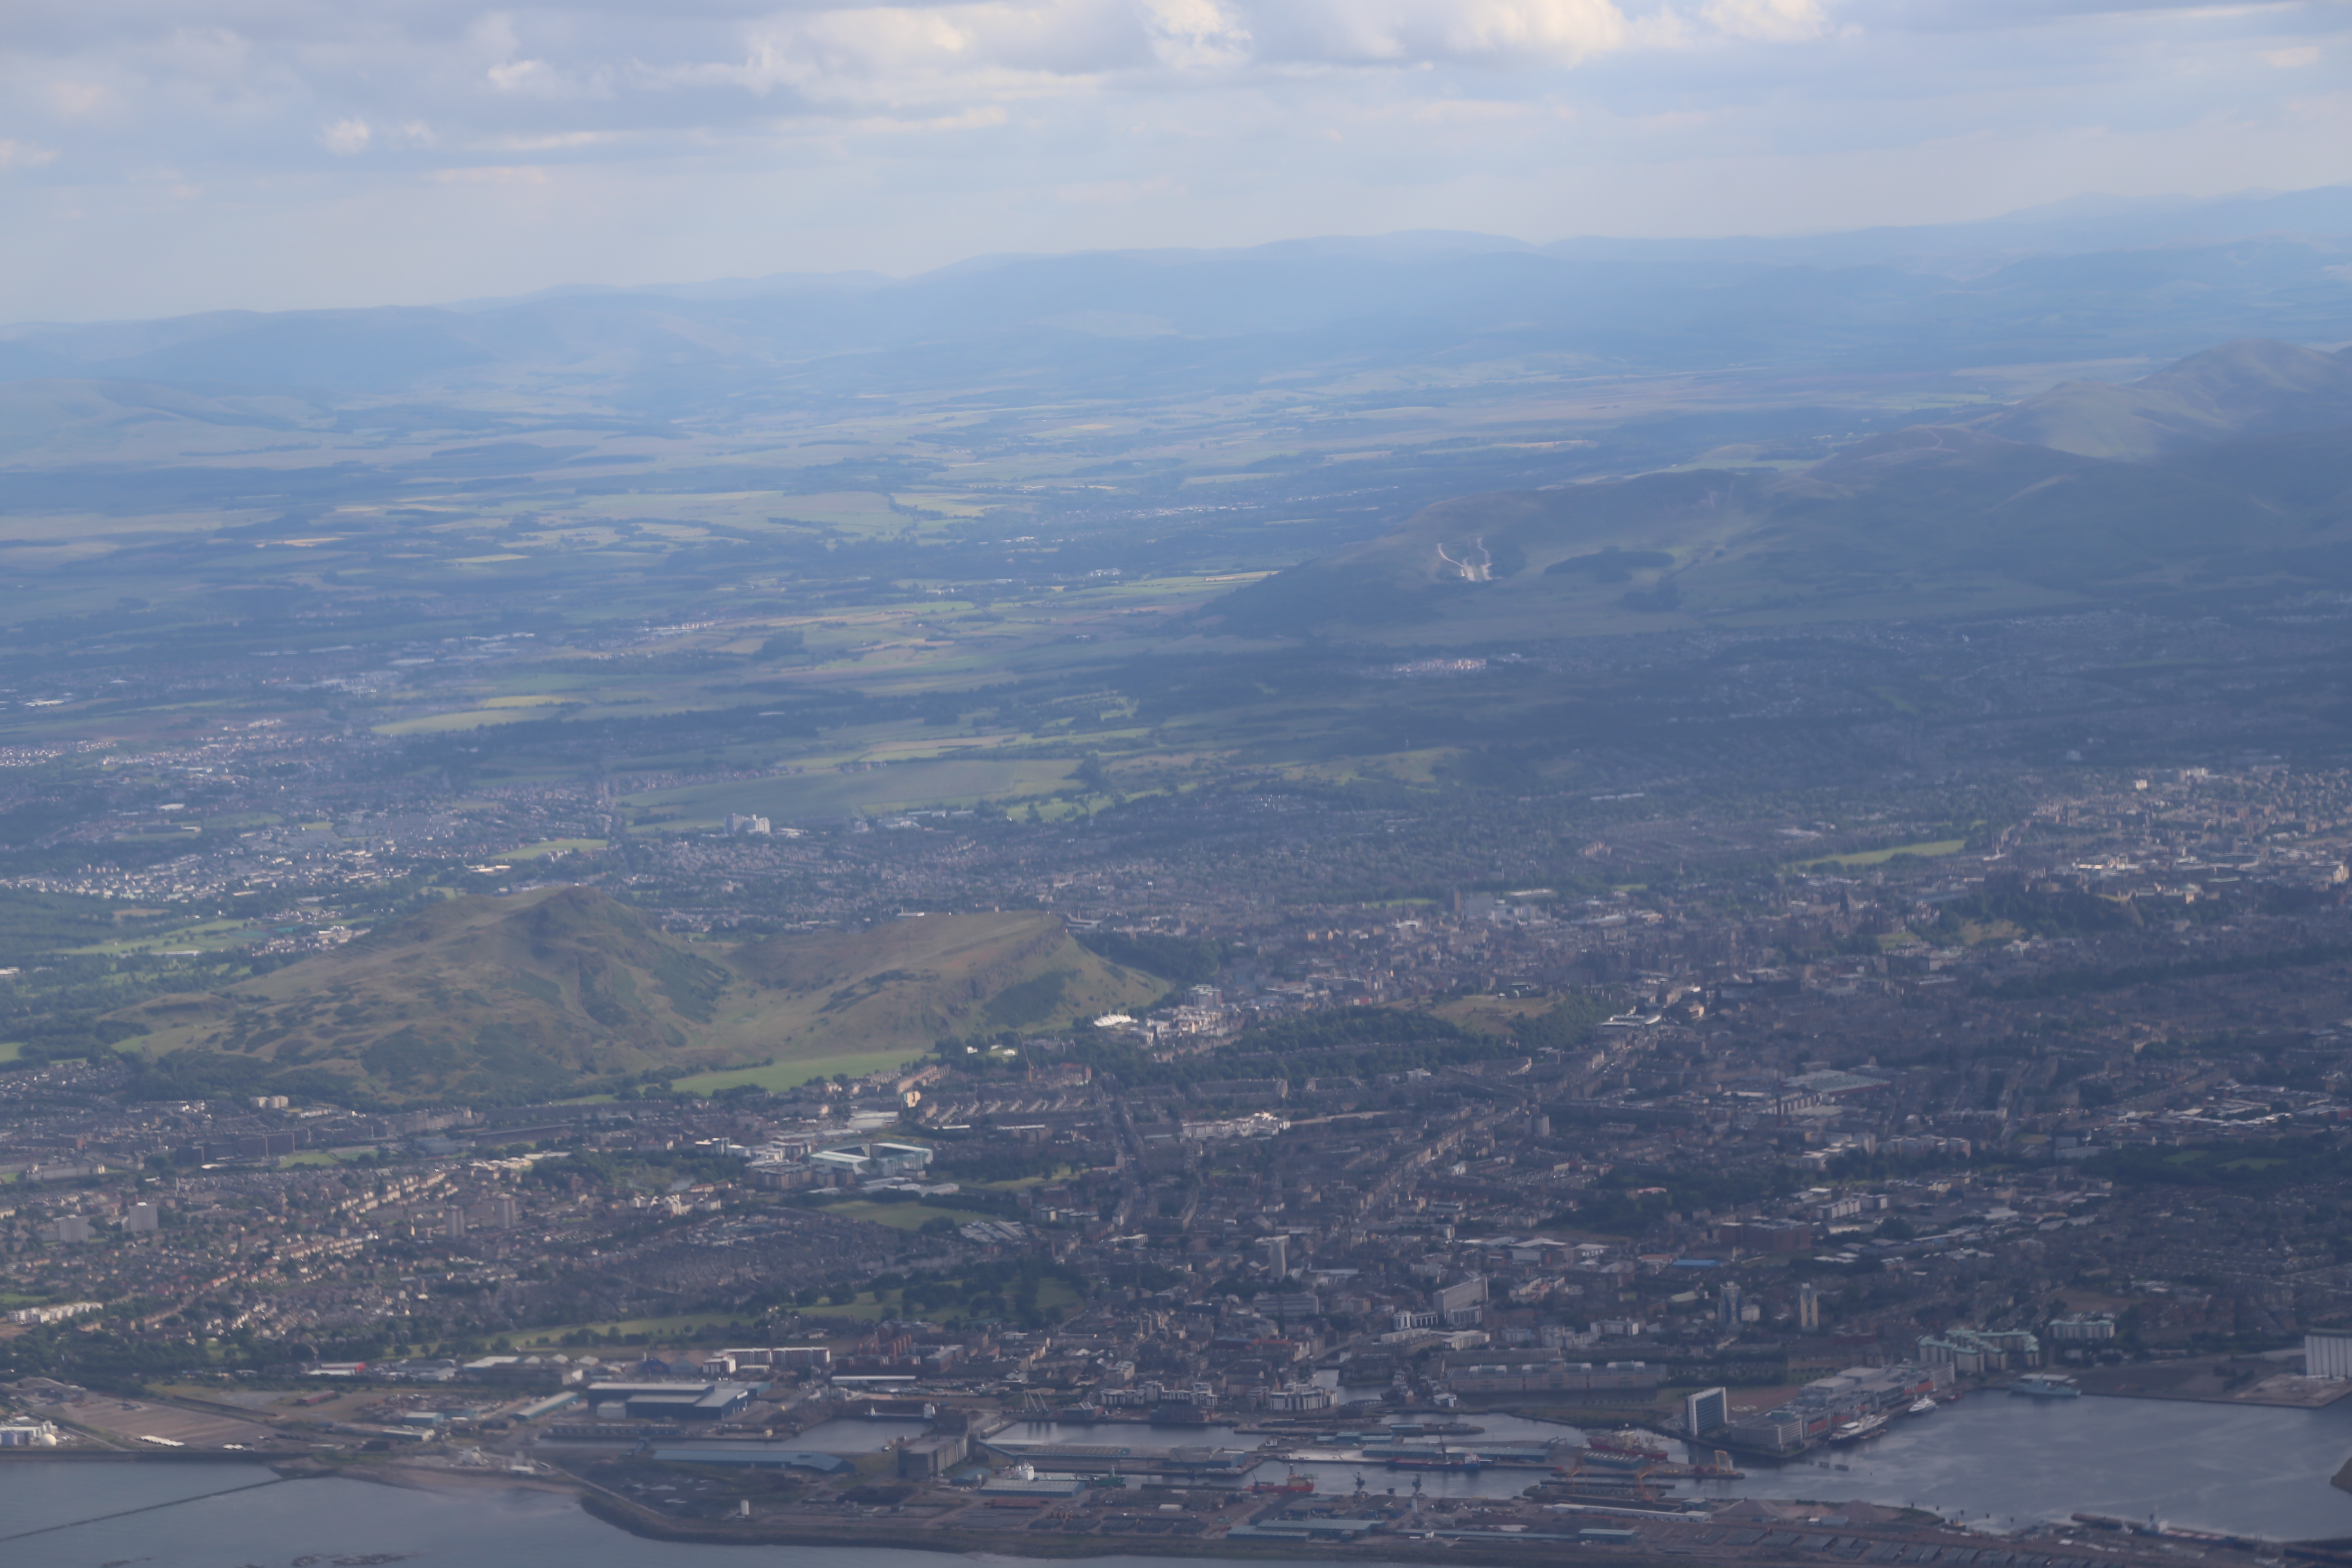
{"x": 1997, "y": 1461}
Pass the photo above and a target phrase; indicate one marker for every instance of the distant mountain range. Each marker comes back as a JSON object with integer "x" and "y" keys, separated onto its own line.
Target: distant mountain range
{"x": 2083, "y": 282}
{"x": 548, "y": 991}
{"x": 2232, "y": 467}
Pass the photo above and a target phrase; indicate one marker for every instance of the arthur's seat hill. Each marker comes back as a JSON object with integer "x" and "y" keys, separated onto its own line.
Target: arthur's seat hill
{"x": 567, "y": 989}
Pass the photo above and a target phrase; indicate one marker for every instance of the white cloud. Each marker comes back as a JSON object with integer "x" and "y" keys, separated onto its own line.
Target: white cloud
{"x": 1426, "y": 32}
{"x": 346, "y": 137}
{"x": 1195, "y": 35}
{"x": 2290, "y": 60}
{"x": 893, "y": 50}
{"x": 1780, "y": 20}
{"x": 81, "y": 99}
{"x": 25, "y": 155}
{"x": 521, "y": 76}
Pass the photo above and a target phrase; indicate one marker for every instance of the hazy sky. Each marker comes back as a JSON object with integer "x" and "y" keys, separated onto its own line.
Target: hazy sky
{"x": 167, "y": 155}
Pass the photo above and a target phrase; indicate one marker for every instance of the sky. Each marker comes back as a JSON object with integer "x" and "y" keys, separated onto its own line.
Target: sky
{"x": 166, "y": 156}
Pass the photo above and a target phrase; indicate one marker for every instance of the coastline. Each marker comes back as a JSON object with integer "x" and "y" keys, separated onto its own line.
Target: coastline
{"x": 609, "y": 1507}
{"x": 1440, "y": 1538}
{"x": 1023, "y": 1545}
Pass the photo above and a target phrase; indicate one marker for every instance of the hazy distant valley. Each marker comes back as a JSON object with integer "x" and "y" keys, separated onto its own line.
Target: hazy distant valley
{"x": 1492, "y": 541}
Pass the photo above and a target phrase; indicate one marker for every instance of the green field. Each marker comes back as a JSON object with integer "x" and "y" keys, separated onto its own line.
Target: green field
{"x": 900, "y": 1216}
{"x": 1879, "y": 857}
{"x": 947, "y": 781}
{"x": 206, "y": 936}
{"x": 1051, "y": 1292}
{"x": 654, "y": 1329}
{"x": 469, "y": 719}
{"x": 791, "y": 1075}
{"x": 555, "y": 847}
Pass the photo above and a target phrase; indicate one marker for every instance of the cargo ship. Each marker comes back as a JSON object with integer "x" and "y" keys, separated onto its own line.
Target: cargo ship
{"x": 1295, "y": 1483}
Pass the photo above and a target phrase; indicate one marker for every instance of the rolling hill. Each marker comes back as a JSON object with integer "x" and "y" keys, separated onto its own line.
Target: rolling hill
{"x": 494, "y": 999}
{"x": 1931, "y": 518}
{"x": 915, "y": 980}
{"x": 2252, "y": 387}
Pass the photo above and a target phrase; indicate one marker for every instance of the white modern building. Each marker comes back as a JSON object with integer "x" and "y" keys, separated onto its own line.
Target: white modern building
{"x": 2327, "y": 1352}
{"x": 866, "y": 1161}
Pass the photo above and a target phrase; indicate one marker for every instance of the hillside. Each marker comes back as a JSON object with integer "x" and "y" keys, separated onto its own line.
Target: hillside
{"x": 911, "y": 982}
{"x": 474, "y": 997}
{"x": 516, "y": 998}
{"x": 2253, "y": 387}
{"x": 1923, "y": 520}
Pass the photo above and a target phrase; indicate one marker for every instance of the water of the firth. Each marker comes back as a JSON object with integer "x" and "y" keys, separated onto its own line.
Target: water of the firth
{"x": 1999, "y": 1461}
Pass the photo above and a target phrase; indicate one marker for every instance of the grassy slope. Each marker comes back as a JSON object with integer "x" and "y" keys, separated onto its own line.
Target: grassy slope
{"x": 472, "y": 996}
{"x": 508, "y": 997}
{"x": 2251, "y": 387}
{"x": 907, "y": 984}
{"x": 920, "y": 781}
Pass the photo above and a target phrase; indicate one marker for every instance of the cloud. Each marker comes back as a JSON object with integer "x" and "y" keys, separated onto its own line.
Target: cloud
{"x": 1394, "y": 33}
{"x": 1197, "y": 34}
{"x": 1775, "y": 19}
{"x": 25, "y": 155}
{"x": 346, "y": 137}
{"x": 81, "y": 99}
{"x": 2290, "y": 60}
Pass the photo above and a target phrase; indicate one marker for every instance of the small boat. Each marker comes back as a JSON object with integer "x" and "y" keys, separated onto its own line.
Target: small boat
{"x": 1862, "y": 1426}
{"x": 1922, "y": 1406}
{"x": 2046, "y": 1385}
